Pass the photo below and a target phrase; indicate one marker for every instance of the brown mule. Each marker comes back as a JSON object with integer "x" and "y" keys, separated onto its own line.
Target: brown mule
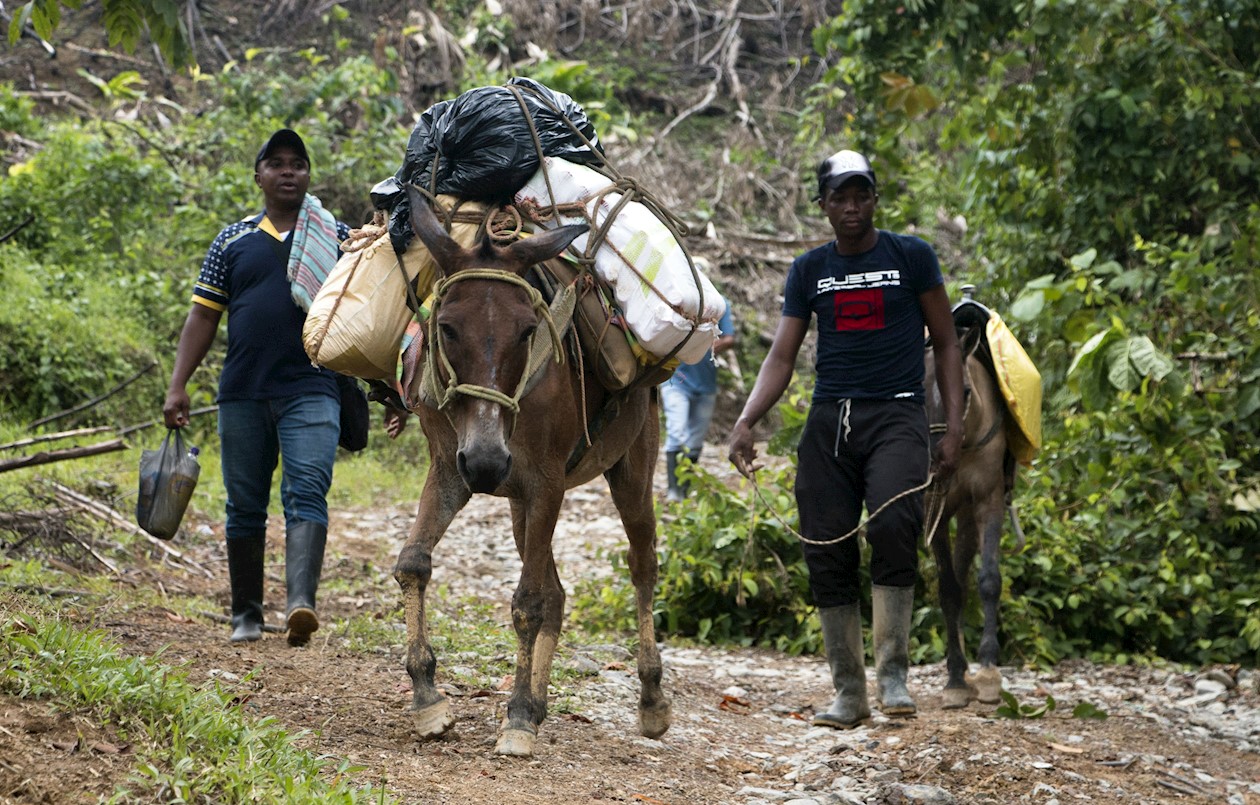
{"x": 492, "y": 429}
{"x": 975, "y": 499}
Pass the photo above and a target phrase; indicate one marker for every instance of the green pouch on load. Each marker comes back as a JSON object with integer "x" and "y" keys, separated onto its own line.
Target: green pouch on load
{"x": 168, "y": 477}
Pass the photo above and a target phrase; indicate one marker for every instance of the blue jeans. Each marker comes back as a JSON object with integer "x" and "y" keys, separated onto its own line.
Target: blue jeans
{"x": 687, "y": 418}
{"x": 302, "y": 432}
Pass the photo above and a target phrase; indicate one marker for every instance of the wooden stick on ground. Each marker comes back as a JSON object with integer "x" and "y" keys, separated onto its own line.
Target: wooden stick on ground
{"x": 116, "y": 519}
{"x": 49, "y": 457}
{"x": 52, "y": 437}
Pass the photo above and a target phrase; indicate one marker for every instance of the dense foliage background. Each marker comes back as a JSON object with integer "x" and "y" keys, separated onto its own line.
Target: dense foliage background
{"x": 1093, "y": 167}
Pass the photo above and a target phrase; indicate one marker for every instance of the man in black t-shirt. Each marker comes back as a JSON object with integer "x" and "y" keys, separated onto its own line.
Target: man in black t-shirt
{"x": 865, "y": 440}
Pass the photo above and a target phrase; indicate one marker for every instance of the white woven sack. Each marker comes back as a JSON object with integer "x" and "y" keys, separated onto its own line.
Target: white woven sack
{"x": 356, "y": 321}
{"x": 637, "y": 250}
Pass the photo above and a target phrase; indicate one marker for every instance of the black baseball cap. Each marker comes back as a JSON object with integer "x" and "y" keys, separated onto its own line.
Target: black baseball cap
{"x": 842, "y": 166}
{"x": 284, "y": 138}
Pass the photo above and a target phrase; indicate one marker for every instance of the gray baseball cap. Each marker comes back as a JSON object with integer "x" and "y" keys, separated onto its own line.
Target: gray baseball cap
{"x": 842, "y": 166}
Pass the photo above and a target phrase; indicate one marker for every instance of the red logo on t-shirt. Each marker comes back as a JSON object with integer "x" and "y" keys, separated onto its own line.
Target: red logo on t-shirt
{"x": 861, "y": 309}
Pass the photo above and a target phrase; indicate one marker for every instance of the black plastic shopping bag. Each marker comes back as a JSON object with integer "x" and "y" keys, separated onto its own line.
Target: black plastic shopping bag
{"x": 168, "y": 476}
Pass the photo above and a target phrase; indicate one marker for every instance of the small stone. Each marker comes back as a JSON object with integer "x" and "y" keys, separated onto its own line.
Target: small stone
{"x": 919, "y": 794}
{"x": 1204, "y": 686}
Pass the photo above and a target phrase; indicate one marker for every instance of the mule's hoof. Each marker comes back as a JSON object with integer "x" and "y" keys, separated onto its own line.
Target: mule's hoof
{"x": 988, "y": 684}
{"x": 433, "y": 721}
{"x": 956, "y": 698}
{"x": 515, "y": 743}
{"x": 654, "y": 720}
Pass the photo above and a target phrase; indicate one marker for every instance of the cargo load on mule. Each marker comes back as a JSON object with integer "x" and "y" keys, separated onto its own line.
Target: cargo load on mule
{"x": 505, "y": 163}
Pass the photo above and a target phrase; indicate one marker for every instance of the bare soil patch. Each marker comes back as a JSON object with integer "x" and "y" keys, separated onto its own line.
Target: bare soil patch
{"x": 741, "y": 731}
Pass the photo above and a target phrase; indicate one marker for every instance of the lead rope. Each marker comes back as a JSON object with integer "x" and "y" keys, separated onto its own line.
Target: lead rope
{"x": 934, "y": 505}
{"x": 859, "y": 529}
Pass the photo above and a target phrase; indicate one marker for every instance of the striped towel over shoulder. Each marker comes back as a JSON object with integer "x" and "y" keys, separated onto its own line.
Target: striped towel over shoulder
{"x": 314, "y": 252}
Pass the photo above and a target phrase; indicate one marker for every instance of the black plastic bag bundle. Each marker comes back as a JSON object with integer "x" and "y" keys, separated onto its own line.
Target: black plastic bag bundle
{"x": 168, "y": 477}
{"x": 484, "y": 148}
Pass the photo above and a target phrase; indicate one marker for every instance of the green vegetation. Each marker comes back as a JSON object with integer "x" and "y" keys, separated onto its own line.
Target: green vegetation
{"x": 192, "y": 744}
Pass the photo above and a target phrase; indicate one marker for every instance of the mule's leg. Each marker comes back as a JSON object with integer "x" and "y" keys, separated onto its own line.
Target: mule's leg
{"x": 630, "y": 481}
{"x": 536, "y": 609}
{"x": 954, "y": 565}
{"x": 953, "y": 597}
{"x": 443, "y": 496}
{"x": 548, "y": 637}
{"x": 989, "y": 679}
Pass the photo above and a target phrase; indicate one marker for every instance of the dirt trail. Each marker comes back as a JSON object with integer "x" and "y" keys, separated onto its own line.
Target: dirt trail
{"x": 741, "y": 730}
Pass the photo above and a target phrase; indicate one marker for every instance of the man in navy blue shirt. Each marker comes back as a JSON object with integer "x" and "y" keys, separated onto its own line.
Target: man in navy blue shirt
{"x": 273, "y": 404}
{"x": 865, "y": 440}
{"x": 688, "y": 399}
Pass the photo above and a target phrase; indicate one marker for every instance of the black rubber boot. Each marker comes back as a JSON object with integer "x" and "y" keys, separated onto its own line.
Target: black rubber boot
{"x": 245, "y": 572}
{"x": 675, "y": 492}
{"x": 892, "y": 609}
{"x": 303, "y": 562}
{"x": 846, "y": 656}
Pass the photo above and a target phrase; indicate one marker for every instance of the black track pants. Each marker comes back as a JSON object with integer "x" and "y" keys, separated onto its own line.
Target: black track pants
{"x": 856, "y": 452}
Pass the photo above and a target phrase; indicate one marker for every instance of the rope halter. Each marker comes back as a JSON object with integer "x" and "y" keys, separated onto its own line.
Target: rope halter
{"x": 539, "y": 350}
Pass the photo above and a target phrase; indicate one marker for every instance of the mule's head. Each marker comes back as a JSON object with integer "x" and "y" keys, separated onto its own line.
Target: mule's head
{"x": 485, "y": 323}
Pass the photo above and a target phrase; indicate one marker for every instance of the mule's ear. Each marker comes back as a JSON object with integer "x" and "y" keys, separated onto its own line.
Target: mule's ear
{"x": 446, "y": 252}
{"x": 545, "y": 245}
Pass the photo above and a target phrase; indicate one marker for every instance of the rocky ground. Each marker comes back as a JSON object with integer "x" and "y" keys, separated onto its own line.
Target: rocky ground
{"x": 741, "y": 731}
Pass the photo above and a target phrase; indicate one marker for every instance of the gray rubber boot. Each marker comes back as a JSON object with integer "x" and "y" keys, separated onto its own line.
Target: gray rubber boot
{"x": 303, "y": 562}
{"x": 892, "y": 610}
{"x": 842, "y": 636}
{"x": 245, "y": 574}
{"x": 694, "y": 457}
{"x": 675, "y": 492}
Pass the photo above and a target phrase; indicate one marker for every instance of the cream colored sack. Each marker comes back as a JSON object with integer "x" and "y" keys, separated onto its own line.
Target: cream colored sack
{"x": 639, "y": 258}
{"x": 356, "y": 321}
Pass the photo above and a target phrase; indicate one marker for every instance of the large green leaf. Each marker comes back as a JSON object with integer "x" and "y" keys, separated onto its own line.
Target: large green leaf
{"x": 1120, "y": 369}
{"x": 1147, "y": 359}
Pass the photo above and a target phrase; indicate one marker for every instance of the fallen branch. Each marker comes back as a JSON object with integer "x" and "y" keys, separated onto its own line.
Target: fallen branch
{"x": 106, "y": 54}
{"x": 51, "y": 437}
{"x": 51, "y": 456}
{"x": 116, "y": 519}
{"x": 51, "y": 592}
{"x": 84, "y": 406}
{"x": 16, "y": 521}
{"x": 1181, "y": 789}
{"x": 92, "y": 552}
{"x": 57, "y": 95}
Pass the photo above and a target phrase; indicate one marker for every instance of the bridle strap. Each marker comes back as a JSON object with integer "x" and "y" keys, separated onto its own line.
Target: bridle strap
{"x": 557, "y": 317}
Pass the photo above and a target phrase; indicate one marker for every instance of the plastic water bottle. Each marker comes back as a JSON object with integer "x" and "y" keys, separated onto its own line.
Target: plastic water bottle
{"x": 193, "y": 452}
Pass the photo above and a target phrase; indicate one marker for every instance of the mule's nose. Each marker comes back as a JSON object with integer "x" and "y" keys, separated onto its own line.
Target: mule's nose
{"x": 482, "y": 472}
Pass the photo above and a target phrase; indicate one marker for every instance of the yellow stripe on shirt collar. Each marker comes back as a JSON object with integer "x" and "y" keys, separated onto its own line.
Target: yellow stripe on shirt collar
{"x": 270, "y": 229}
